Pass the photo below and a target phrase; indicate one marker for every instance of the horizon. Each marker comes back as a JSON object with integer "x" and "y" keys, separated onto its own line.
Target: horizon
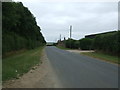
{"x": 85, "y": 17}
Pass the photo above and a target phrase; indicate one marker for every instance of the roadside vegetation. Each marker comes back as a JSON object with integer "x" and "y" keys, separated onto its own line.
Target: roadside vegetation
{"x": 20, "y": 29}
{"x": 22, "y": 40}
{"x": 103, "y": 56}
{"x": 18, "y": 64}
{"x": 107, "y": 43}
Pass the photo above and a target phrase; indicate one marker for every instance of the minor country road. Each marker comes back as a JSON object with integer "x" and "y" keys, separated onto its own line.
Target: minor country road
{"x": 78, "y": 71}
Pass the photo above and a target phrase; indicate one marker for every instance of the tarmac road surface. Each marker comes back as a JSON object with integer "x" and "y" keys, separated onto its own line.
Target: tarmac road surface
{"x": 78, "y": 71}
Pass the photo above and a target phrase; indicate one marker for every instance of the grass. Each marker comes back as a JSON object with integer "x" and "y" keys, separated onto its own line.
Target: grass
{"x": 99, "y": 55}
{"x": 12, "y": 53}
{"x": 102, "y": 56}
{"x": 18, "y": 64}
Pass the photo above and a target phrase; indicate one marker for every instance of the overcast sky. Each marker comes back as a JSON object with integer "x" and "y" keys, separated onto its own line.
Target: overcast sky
{"x": 54, "y": 18}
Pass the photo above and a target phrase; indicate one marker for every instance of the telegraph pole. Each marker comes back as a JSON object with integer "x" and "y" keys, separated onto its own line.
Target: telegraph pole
{"x": 60, "y": 37}
{"x": 70, "y": 31}
{"x": 70, "y": 36}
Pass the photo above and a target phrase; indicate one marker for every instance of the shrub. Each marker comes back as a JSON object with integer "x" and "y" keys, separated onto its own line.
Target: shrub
{"x": 86, "y": 44}
{"x": 70, "y": 43}
{"x": 108, "y": 43}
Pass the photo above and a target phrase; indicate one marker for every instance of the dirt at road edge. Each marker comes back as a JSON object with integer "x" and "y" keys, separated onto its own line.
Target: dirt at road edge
{"x": 42, "y": 77}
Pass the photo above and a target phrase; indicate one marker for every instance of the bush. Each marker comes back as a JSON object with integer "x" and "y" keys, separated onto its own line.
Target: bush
{"x": 108, "y": 43}
{"x": 70, "y": 43}
{"x": 86, "y": 44}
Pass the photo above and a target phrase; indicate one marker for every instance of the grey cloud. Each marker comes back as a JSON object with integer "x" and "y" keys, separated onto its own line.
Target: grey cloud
{"x": 86, "y": 18}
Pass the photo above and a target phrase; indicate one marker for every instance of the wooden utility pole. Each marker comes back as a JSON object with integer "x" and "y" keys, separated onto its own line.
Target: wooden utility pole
{"x": 70, "y": 31}
{"x": 70, "y": 36}
{"x": 60, "y": 37}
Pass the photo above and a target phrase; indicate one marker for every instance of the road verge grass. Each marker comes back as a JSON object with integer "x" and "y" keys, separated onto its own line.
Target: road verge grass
{"x": 16, "y": 65}
{"x": 102, "y": 56}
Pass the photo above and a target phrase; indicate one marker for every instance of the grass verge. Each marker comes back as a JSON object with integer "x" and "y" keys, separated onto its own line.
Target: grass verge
{"x": 106, "y": 57}
{"x": 15, "y": 65}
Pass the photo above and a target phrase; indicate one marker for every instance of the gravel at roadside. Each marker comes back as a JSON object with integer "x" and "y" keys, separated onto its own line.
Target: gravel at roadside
{"x": 40, "y": 76}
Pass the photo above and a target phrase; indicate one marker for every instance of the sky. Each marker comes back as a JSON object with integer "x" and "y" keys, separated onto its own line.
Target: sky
{"x": 55, "y": 18}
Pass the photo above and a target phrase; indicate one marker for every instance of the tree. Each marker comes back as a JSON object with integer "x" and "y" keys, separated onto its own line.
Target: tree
{"x": 20, "y": 29}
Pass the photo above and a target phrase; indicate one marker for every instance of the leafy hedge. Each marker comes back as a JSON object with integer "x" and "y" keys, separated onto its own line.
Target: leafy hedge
{"x": 20, "y": 29}
{"x": 73, "y": 44}
{"x": 107, "y": 43}
{"x": 86, "y": 43}
{"x": 13, "y": 42}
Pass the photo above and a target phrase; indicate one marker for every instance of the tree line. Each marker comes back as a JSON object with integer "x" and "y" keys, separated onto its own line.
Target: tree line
{"x": 108, "y": 43}
{"x": 19, "y": 28}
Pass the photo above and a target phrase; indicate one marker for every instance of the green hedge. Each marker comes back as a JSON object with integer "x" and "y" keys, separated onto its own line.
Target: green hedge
{"x": 73, "y": 44}
{"x": 19, "y": 28}
{"x": 86, "y": 44}
{"x": 14, "y": 42}
{"x": 83, "y": 44}
{"x": 108, "y": 43}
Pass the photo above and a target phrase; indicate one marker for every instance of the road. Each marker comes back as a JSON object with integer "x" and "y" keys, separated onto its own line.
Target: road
{"x": 78, "y": 71}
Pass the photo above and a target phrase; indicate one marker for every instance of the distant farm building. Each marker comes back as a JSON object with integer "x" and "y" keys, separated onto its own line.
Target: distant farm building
{"x": 94, "y": 35}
